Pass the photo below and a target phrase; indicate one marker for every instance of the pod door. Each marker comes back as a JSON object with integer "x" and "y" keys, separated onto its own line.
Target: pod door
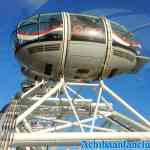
{"x": 86, "y": 48}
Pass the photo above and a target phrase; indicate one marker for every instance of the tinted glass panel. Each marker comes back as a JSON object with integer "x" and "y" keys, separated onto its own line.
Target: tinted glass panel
{"x": 44, "y": 27}
{"x": 50, "y": 27}
{"x": 85, "y": 28}
{"x": 28, "y": 30}
{"x": 123, "y": 38}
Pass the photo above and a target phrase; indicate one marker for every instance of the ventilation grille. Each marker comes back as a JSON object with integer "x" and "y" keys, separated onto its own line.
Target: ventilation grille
{"x": 35, "y": 49}
{"x": 42, "y": 48}
{"x": 123, "y": 55}
{"x": 54, "y": 47}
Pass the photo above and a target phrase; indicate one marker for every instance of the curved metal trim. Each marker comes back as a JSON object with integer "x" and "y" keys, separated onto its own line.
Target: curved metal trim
{"x": 108, "y": 34}
{"x": 60, "y": 72}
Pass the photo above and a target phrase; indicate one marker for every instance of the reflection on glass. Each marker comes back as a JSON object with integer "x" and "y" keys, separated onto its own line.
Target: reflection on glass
{"x": 85, "y": 28}
{"x": 123, "y": 38}
{"x": 50, "y": 27}
{"x": 27, "y": 30}
{"x": 44, "y": 27}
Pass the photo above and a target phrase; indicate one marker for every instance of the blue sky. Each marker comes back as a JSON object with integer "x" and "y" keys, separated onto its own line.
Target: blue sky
{"x": 134, "y": 88}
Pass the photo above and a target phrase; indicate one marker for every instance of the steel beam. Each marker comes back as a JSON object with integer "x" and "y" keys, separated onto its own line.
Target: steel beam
{"x": 74, "y": 138}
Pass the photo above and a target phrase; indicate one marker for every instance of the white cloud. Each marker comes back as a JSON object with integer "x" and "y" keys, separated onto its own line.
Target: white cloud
{"x": 36, "y": 3}
{"x": 105, "y": 11}
{"x": 31, "y": 4}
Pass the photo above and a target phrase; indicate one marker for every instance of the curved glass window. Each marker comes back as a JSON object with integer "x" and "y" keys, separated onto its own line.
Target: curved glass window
{"x": 43, "y": 27}
{"x": 86, "y": 28}
{"x": 28, "y": 30}
{"x": 50, "y": 27}
{"x": 123, "y": 38}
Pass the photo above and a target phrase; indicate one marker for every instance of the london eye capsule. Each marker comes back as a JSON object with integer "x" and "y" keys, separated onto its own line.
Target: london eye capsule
{"x": 75, "y": 46}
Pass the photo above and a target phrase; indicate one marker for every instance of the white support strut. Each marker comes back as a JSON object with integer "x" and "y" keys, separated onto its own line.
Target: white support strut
{"x": 48, "y": 128}
{"x": 38, "y": 103}
{"x": 73, "y": 109}
{"x": 75, "y": 137}
{"x": 96, "y": 109}
{"x": 119, "y": 99}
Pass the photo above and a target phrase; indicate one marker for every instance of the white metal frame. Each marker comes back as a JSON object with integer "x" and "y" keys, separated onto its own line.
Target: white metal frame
{"x": 87, "y": 127}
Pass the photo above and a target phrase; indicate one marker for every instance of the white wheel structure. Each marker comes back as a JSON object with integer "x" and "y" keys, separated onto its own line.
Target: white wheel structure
{"x": 62, "y": 114}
